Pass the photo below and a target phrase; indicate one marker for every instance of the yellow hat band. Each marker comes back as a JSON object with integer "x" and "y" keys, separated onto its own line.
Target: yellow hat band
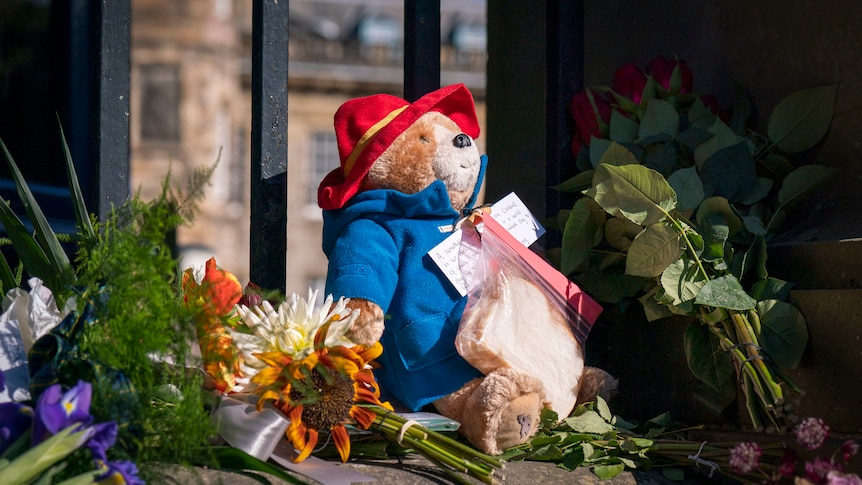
{"x": 366, "y": 138}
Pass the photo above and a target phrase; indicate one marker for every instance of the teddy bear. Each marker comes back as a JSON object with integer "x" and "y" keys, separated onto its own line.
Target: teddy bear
{"x": 408, "y": 172}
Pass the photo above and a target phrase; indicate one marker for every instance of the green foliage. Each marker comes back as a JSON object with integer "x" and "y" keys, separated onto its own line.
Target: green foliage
{"x": 704, "y": 197}
{"x": 142, "y": 319}
{"x": 135, "y": 347}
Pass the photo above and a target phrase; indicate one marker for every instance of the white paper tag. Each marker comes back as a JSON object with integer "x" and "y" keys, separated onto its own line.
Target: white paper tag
{"x": 456, "y": 256}
{"x": 512, "y": 214}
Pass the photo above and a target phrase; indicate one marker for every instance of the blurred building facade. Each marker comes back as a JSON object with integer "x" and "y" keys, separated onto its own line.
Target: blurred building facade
{"x": 191, "y": 106}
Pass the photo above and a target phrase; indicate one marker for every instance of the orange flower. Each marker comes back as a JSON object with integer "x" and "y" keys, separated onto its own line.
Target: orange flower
{"x": 215, "y": 296}
{"x": 322, "y": 392}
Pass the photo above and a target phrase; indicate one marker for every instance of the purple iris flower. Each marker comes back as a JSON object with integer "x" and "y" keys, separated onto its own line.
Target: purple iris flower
{"x": 15, "y": 420}
{"x": 104, "y": 437}
{"x": 57, "y": 410}
{"x": 126, "y": 470}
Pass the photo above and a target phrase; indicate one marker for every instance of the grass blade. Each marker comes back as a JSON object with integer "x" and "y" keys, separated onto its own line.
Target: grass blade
{"x": 81, "y": 214}
{"x": 44, "y": 234}
{"x": 27, "y": 249}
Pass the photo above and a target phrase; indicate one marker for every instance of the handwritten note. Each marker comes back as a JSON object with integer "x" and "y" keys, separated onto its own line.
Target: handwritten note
{"x": 513, "y": 215}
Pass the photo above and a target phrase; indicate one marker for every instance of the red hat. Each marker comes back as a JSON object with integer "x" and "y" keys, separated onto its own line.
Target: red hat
{"x": 365, "y": 127}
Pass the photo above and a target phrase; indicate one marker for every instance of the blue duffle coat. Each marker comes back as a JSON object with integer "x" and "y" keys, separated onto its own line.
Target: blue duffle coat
{"x": 377, "y": 246}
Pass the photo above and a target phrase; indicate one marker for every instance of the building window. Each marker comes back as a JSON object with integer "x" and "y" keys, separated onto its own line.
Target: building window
{"x": 324, "y": 158}
{"x": 160, "y": 103}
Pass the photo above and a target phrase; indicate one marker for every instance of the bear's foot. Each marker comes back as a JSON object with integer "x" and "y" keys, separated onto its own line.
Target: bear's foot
{"x": 497, "y": 411}
{"x": 519, "y": 421}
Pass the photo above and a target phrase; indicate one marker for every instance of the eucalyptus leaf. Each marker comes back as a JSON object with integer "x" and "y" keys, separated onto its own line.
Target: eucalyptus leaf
{"x": 783, "y": 333}
{"x": 660, "y": 118}
{"x": 701, "y": 117}
{"x": 723, "y": 137}
{"x": 729, "y": 173}
{"x": 754, "y": 225}
{"x": 693, "y": 136}
{"x": 598, "y": 147}
{"x": 688, "y": 187}
{"x": 662, "y": 158}
{"x": 725, "y": 292}
{"x": 760, "y": 190}
{"x": 705, "y": 359}
{"x": 653, "y": 250}
{"x": 622, "y": 128}
{"x": 801, "y": 119}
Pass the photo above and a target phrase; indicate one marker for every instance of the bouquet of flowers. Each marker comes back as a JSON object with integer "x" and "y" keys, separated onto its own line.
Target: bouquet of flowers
{"x": 680, "y": 201}
{"x": 296, "y": 354}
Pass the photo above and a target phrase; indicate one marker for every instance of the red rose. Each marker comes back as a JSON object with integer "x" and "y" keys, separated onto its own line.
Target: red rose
{"x": 629, "y": 81}
{"x": 661, "y": 70}
{"x": 591, "y": 117}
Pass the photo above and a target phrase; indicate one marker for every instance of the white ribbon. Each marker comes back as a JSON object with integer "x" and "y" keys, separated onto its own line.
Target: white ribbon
{"x": 261, "y": 435}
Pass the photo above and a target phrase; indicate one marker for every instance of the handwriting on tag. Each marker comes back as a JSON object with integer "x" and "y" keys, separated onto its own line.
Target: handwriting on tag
{"x": 457, "y": 257}
{"x": 513, "y": 215}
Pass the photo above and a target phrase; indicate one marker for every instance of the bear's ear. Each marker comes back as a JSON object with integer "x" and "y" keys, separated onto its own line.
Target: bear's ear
{"x": 406, "y": 166}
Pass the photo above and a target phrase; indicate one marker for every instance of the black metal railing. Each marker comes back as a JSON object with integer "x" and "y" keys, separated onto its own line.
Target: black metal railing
{"x": 99, "y": 91}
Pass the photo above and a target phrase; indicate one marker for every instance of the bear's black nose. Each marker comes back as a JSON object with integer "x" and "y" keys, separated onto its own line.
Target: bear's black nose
{"x": 461, "y": 141}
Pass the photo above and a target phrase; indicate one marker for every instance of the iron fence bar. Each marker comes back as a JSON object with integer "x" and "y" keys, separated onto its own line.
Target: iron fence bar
{"x": 564, "y": 78}
{"x": 97, "y": 121}
{"x": 421, "y": 47}
{"x": 268, "y": 232}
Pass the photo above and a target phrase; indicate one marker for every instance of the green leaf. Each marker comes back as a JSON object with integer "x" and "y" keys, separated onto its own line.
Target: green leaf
{"x": 715, "y": 234}
{"x": 44, "y": 234}
{"x": 6, "y": 276}
{"x": 725, "y": 292}
{"x": 653, "y": 250}
{"x": 688, "y": 187}
{"x": 682, "y": 281}
{"x": 598, "y": 147}
{"x": 700, "y": 117}
{"x": 801, "y": 119}
{"x": 729, "y": 173}
{"x": 234, "y": 459}
{"x": 660, "y": 118}
{"x": 578, "y": 183}
{"x": 610, "y": 287}
{"x": 771, "y": 289}
{"x": 26, "y": 247}
{"x": 606, "y": 472}
{"x": 693, "y": 136}
{"x": 579, "y": 235}
{"x": 589, "y": 422}
{"x": 640, "y": 194}
{"x": 759, "y": 191}
{"x": 81, "y": 214}
{"x": 622, "y": 129}
{"x": 802, "y": 180}
{"x": 675, "y": 474}
{"x": 617, "y": 154}
{"x": 705, "y": 359}
{"x": 723, "y": 137}
{"x": 545, "y": 453}
{"x": 783, "y": 333}
{"x": 719, "y": 206}
{"x": 603, "y": 409}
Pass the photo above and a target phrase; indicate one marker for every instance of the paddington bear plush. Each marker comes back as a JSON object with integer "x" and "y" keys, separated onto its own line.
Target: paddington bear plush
{"x": 407, "y": 172}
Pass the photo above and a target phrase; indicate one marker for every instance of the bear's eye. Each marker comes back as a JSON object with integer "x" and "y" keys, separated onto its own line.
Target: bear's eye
{"x": 423, "y": 139}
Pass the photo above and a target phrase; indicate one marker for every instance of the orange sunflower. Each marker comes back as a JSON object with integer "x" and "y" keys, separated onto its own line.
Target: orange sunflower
{"x": 321, "y": 391}
{"x": 214, "y": 294}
